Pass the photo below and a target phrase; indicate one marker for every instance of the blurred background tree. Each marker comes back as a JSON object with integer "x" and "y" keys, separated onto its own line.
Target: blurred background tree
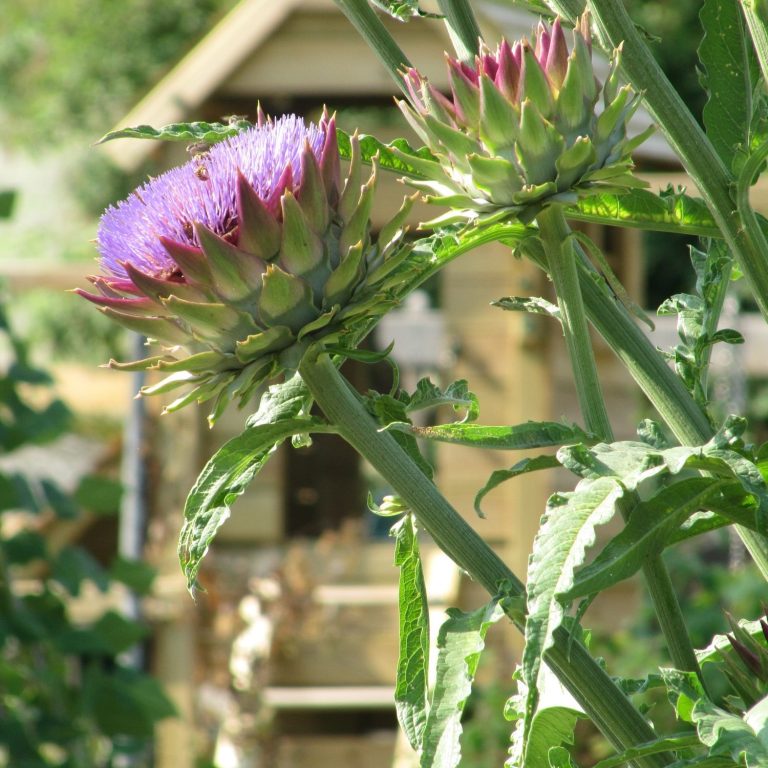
{"x": 68, "y": 72}
{"x": 72, "y": 67}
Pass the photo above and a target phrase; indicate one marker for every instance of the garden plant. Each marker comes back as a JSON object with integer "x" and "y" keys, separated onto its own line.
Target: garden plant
{"x": 62, "y": 672}
{"x": 254, "y": 273}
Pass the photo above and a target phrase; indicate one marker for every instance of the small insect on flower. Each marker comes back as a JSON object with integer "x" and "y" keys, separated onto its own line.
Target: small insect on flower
{"x": 520, "y": 127}
{"x": 234, "y": 263}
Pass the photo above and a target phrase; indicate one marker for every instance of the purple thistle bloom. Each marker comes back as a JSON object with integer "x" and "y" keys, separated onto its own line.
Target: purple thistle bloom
{"x": 204, "y": 191}
{"x": 235, "y": 263}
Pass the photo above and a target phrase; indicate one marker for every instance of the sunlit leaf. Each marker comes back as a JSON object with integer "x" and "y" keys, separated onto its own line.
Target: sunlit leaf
{"x": 460, "y": 643}
{"x": 670, "y": 211}
{"x": 209, "y": 133}
{"x": 567, "y": 530}
{"x": 667, "y": 744}
{"x": 228, "y": 473}
{"x": 389, "y": 160}
{"x": 645, "y": 535}
{"x": 522, "y": 467}
{"x": 730, "y": 73}
{"x": 413, "y": 661}
{"x": 402, "y": 10}
{"x": 456, "y": 395}
{"x": 531, "y": 434}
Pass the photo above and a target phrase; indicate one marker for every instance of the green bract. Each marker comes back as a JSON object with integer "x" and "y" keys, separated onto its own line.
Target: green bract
{"x": 520, "y": 128}
{"x": 236, "y": 262}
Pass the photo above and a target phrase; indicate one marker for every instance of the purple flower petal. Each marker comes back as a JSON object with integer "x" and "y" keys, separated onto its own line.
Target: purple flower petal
{"x": 169, "y": 205}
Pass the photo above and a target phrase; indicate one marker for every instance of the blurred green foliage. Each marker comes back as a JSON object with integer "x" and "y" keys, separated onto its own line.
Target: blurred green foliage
{"x": 72, "y": 67}
{"x": 66, "y": 697}
{"x": 61, "y": 326}
{"x": 677, "y": 24}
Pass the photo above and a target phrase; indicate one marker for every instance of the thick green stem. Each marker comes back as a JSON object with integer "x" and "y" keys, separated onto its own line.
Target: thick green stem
{"x": 562, "y": 262}
{"x": 657, "y": 380}
{"x": 561, "y": 257}
{"x": 603, "y": 701}
{"x": 462, "y": 27}
{"x": 742, "y": 233}
{"x": 758, "y": 31}
{"x": 370, "y": 28}
{"x": 647, "y": 367}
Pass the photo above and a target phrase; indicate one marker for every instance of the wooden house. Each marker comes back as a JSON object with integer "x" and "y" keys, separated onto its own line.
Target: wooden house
{"x": 300, "y": 540}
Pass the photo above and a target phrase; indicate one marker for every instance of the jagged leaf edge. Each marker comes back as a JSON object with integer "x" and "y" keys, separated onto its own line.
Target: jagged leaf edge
{"x": 646, "y": 533}
{"x": 524, "y": 466}
{"x": 729, "y": 74}
{"x": 202, "y": 131}
{"x": 460, "y": 642}
{"x": 525, "y": 436}
{"x": 411, "y": 687}
{"x": 566, "y": 531}
{"x": 229, "y": 471}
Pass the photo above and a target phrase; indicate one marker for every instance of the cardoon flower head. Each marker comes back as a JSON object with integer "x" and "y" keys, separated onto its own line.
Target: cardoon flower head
{"x": 520, "y": 129}
{"x": 747, "y": 666}
{"x": 235, "y": 262}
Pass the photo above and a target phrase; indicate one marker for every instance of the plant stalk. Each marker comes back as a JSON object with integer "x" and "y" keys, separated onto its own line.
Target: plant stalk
{"x": 558, "y": 243}
{"x": 601, "y": 699}
{"x": 742, "y": 232}
{"x": 371, "y": 29}
{"x": 562, "y": 261}
{"x": 462, "y": 27}
{"x": 656, "y": 379}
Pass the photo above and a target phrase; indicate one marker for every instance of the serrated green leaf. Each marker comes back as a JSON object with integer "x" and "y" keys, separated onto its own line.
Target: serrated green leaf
{"x": 522, "y": 467}
{"x": 628, "y": 460}
{"x": 684, "y": 689}
{"x": 700, "y": 523}
{"x": 560, "y": 757}
{"x": 209, "y": 133}
{"x": 724, "y": 732}
{"x": 730, "y": 73}
{"x": 567, "y": 530}
{"x": 747, "y": 473}
{"x": 535, "y": 305}
{"x": 727, "y": 336}
{"x": 647, "y": 532}
{"x": 634, "y": 462}
{"x": 670, "y": 211}
{"x": 531, "y": 434}
{"x": 402, "y": 10}
{"x": 460, "y": 642}
{"x": 228, "y": 473}
{"x": 652, "y": 433}
{"x": 411, "y": 687}
{"x": 387, "y": 410}
{"x": 667, "y": 744}
{"x": 551, "y": 726}
{"x": 756, "y": 718}
{"x": 388, "y": 160}
{"x": 457, "y": 395}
